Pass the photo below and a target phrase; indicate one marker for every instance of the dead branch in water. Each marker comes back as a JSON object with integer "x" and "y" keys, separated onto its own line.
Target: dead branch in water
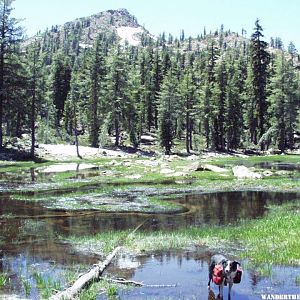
{"x": 92, "y": 275}
{"x": 85, "y": 279}
{"x": 137, "y": 283}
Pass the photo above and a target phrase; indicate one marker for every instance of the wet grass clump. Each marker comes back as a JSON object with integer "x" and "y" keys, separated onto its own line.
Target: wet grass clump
{"x": 100, "y": 244}
{"x": 3, "y": 280}
{"x": 274, "y": 239}
{"x": 254, "y": 160}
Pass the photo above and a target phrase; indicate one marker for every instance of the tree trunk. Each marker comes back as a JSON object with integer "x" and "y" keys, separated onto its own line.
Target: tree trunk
{"x": 33, "y": 100}
{"x": 2, "y": 77}
{"x": 86, "y": 279}
{"x": 117, "y": 129}
{"x": 187, "y": 133}
{"x": 191, "y": 135}
{"x": 76, "y": 133}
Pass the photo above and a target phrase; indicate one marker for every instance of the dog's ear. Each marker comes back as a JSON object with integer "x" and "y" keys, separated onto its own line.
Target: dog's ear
{"x": 235, "y": 264}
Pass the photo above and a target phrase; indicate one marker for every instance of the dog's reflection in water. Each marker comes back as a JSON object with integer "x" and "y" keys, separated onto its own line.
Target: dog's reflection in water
{"x": 212, "y": 296}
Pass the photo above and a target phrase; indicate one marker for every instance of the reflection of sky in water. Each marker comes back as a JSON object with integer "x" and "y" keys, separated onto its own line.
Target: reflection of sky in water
{"x": 33, "y": 244}
{"x": 191, "y": 277}
{"x": 23, "y": 269}
{"x": 188, "y": 271}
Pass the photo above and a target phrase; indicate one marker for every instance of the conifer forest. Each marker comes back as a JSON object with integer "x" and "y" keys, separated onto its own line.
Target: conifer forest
{"x": 221, "y": 90}
{"x": 128, "y": 160}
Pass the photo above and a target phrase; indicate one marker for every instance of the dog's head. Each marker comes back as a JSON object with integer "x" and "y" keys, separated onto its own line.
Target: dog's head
{"x": 230, "y": 266}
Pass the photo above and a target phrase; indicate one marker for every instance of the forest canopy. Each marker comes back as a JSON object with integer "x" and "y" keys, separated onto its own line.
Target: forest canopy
{"x": 218, "y": 91}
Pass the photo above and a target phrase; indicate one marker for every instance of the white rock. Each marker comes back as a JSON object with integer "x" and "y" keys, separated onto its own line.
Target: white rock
{"x": 243, "y": 172}
{"x": 166, "y": 171}
{"x": 134, "y": 176}
{"x": 130, "y": 34}
{"x": 66, "y": 167}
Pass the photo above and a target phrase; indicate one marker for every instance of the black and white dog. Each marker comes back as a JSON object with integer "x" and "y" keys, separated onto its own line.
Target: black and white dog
{"x": 230, "y": 269}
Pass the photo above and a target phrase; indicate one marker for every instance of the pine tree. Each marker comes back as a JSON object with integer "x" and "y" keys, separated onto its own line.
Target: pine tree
{"x": 34, "y": 75}
{"x": 210, "y": 95}
{"x": 219, "y": 96}
{"x": 283, "y": 103}
{"x": 259, "y": 61}
{"x": 97, "y": 76}
{"x": 234, "y": 111}
{"x": 157, "y": 81}
{"x": 116, "y": 91}
{"x": 72, "y": 100}
{"x": 189, "y": 95}
{"x": 61, "y": 76}
{"x": 10, "y": 34}
{"x": 169, "y": 99}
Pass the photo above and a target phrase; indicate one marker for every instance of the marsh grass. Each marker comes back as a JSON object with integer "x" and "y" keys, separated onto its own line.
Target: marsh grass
{"x": 164, "y": 204}
{"x": 26, "y": 286}
{"x": 274, "y": 239}
{"x": 3, "y": 279}
{"x": 101, "y": 244}
{"x": 253, "y": 160}
{"x": 101, "y": 287}
{"x": 264, "y": 270}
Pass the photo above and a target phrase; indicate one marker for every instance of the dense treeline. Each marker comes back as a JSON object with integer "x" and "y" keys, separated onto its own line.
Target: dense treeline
{"x": 219, "y": 91}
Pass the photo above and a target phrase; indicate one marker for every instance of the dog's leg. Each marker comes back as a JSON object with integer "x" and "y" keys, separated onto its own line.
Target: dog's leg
{"x": 221, "y": 291}
{"x": 210, "y": 273}
{"x": 209, "y": 280}
{"x": 229, "y": 290}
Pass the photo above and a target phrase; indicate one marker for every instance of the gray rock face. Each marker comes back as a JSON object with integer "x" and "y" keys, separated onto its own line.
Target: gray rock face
{"x": 86, "y": 29}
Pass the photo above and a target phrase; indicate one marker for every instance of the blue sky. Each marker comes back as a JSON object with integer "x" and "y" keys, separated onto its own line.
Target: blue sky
{"x": 279, "y": 18}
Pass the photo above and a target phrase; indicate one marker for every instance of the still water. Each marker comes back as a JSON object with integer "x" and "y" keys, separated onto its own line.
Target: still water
{"x": 31, "y": 236}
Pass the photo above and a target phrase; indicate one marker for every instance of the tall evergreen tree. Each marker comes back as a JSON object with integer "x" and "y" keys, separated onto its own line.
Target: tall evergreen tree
{"x": 116, "y": 91}
{"x": 61, "y": 76}
{"x": 169, "y": 99}
{"x": 189, "y": 94}
{"x": 234, "y": 110}
{"x": 34, "y": 75}
{"x": 284, "y": 102}
{"x": 10, "y": 34}
{"x": 259, "y": 61}
{"x": 73, "y": 102}
{"x": 97, "y": 76}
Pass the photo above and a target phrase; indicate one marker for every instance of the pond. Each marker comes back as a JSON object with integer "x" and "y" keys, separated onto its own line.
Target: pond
{"x": 32, "y": 238}
{"x": 189, "y": 272}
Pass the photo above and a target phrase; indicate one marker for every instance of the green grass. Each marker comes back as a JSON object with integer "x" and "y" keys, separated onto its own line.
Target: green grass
{"x": 3, "y": 280}
{"x": 101, "y": 287}
{"x": 26, "y": 286}
{"x": 102, "y": 243}
{"x": 118, "y": 175}
{"x": 46, "y": 285}
{"x": 252, "y": 160}
{"x": 274, "y": 239}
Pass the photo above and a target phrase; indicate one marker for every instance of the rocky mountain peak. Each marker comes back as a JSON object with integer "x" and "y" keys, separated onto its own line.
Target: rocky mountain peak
{"x": 84, "y": 31}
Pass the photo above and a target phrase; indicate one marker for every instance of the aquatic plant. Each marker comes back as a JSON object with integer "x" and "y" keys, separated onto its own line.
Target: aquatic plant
{"x": 27, "y": 286}
{"x": 3, "y": 280}
{"x": 112, "y": 292}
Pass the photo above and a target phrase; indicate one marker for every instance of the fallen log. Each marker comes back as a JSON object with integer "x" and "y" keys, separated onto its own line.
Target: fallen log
{"x": 85, "y": 279}
{"x": 138, "y": 283}
{"x": 92, "y": 275}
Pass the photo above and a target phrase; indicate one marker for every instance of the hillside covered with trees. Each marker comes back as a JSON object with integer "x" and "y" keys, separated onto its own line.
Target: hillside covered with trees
{"x": 219, "y": 90}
